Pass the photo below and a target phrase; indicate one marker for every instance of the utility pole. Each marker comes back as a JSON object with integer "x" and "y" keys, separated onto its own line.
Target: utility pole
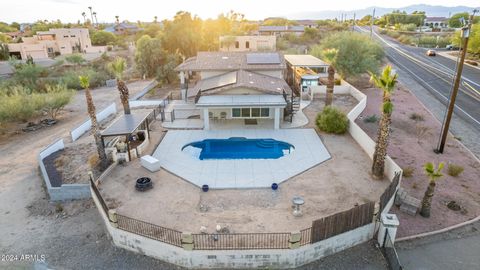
{"x": 371, "y": 24}
{"x": 353, "y": 28}
{"x": 451, "y": 104}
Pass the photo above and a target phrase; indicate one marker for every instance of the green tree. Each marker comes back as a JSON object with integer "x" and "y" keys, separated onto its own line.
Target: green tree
{"x": 455, "y": 19}
{"x": 56, "y": 98}
{"x": 85, "y": 83}
{"x": 183, "y": 34}
{"x": 166, "y": 73}
{"x": 102, "y": 38}
{"x": 4, "y": 27}
{"x": 356, "y": 53}
{"x": 149, "y": 55}
{"x": 433, "y": 174}
{"x": 118, "y": 67}
{"x": 4, "y": 52}
{"x": 4, "y": 38}
{"x": 473, "y": 42}
{"x": 386, "y": 81}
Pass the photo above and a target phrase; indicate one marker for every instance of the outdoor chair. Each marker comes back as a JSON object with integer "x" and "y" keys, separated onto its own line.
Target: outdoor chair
{"x": 223, "y": 116}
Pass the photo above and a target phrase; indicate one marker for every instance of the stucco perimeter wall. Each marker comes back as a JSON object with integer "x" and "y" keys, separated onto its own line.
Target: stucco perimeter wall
{"x": 362, "y": 137}
{"x": 272, "y": 259}
{"x": 65, "y": 191}
{"x": 83, "y": 128}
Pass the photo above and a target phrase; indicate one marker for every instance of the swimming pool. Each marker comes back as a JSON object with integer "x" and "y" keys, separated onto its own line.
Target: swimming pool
{"x": 238, "y": 148}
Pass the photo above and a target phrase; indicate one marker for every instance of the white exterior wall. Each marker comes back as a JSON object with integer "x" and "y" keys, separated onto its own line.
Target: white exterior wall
{"x": 256, "y": 43}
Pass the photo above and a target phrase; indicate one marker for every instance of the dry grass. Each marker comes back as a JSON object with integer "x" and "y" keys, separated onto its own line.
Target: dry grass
{"x": 454, "y": 170}
{"x": 408, "y": 171}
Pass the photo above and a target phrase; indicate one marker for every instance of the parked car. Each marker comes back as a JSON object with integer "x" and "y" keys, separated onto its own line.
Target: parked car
{"x": 451, "y": 47}
{"x": 431, "y": 53}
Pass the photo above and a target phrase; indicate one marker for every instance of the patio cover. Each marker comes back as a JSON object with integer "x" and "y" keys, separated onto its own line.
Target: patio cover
{"x": 126, "y": 124}
{"x": 304, "y": 60}
{"x": 242, "y": 101}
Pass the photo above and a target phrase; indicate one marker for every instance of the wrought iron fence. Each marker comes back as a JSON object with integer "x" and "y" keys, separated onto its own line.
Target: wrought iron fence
{"x": 99, "y": 197}
{"x": 149, "y": 230}
{"x": 241, "y": 241}
{"x": 390, "y": 253}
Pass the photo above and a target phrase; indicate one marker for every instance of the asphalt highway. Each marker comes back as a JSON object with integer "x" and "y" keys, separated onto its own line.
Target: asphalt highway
{"x": 435, "y": 74}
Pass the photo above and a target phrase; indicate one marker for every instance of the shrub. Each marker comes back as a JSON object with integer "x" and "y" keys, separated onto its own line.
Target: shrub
{"x": 332, "y": 120}
{"x": 408, "y": 171}
{"x": 371, "y": 119}
{"x": 56, "y": 98}
{"x": 454, "y": 170}
{"x": 416, "y": 117}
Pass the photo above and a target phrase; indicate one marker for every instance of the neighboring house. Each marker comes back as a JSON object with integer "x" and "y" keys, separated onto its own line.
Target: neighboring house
{"x": 436, "y": 22}
{"x": 14, "y": 35}
{"x": 268, "y": 30}
{"x": 122, "y": 29}
{"x": 54, "y": 42}
{"x": 238, "y": 85}
{"x": 247, "y": 43}
{"x": 308, "y": 23}
{"x": 304, "y": 70}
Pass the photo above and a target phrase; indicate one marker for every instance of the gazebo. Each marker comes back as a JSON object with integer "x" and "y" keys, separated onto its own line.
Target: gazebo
{"x": 126, "y": 126}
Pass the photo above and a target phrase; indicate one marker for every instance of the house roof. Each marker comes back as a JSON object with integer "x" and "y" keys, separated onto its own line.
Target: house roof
{"x": 281, "y": 28}
{"x": 126, "y": 124}
{"x": 304, "y": 60}
{"x": 217, "y": 61}
{"x": 240, "y": 79}
{"x": 435, "y": 19}
{"x": 241, "y": 101}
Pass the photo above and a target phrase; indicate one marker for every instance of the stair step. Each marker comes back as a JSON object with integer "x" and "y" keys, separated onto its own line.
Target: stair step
{"x": 409, "y": 209}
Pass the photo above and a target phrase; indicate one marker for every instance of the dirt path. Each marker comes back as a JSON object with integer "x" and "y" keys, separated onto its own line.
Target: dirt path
{"x": 28, "y": 222}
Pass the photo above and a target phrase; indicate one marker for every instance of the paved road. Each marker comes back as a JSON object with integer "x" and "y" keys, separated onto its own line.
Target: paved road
{"x": 430, "y": 80}
{"x": 435, "y": 74}
{"x": 456, "y": 250}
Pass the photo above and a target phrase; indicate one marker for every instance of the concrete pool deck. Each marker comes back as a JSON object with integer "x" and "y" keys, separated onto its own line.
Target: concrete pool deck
{"x": 240, "y": 173}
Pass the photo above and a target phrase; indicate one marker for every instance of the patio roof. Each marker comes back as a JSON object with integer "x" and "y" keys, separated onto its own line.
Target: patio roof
{"x": 126, "y": 124}
{"x": 304, "y": 60}
{"x": 242, "y": 101}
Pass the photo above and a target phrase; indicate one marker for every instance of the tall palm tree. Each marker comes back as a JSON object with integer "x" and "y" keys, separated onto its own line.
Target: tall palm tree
{"x": 386, "y": 81}
{"x": 95, "y": 16}
{"x": 84, "y": 17}
{"x": 117, "y": 19}
{"x": 155, "y": 19}
{"x": 91, "y": 14}
{"x": 117, "y": 67}
{"x": 329, "y": 55}
{"x": 85, "y": 84}
{"x": 433, "y": 174}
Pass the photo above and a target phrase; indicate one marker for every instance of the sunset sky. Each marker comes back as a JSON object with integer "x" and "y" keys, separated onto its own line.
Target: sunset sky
{"x": 145, "y": 10}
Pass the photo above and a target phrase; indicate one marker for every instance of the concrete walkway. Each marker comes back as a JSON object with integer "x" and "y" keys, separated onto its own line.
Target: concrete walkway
{"x": 458, "y": 249}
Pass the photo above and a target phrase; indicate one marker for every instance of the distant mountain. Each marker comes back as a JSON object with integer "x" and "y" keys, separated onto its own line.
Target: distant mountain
{"x": 431, "y": 11}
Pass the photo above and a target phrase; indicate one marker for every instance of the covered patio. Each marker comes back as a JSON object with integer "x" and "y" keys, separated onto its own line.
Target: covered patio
{"x": 131, "y": 129}
{"x": 247, "y": 108}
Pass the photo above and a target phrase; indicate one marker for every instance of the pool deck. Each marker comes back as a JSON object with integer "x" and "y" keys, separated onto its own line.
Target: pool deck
{"x": 240, "y": 173}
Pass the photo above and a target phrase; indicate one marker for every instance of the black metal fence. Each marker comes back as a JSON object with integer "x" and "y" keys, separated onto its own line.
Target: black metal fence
{"x": 390, "y": 253}
{"x": 99, "y": 197}
{"x": 241, "y": 241}
{"x": 149, "y": 230}
{"x": 389, "y": 192}
{"x": 306, "y": 236}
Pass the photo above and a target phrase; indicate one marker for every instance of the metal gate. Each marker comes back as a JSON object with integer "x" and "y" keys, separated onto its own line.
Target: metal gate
{"x": 390, "y": 253}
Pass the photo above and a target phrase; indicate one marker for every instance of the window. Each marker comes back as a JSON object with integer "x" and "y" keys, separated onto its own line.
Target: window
{"x": 265, "y": 112}
{"x": 235, "y": 112}
{"x": 65, "y": 36}
{"x": 72, "y": 35}
{"x": 247, "y": 45}
{"x": 237, "y": 44}
{"x": 255, "y": 112}
{"x": 250, "y": 112}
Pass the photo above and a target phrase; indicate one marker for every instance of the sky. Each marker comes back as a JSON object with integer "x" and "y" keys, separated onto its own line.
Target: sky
{"x": 145, "y": 10}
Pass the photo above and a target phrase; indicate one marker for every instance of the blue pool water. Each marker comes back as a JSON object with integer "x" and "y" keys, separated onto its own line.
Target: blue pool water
{"x": 240, "y": 148}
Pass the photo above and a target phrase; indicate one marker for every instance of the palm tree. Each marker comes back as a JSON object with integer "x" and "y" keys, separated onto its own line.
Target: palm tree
{"x": 85, "y": 84}
{"x": 433, "y": 174}
{"x": 155, "y": 19}
{"x": 84, "y": 17}
{"x": 117, "y": 67}
{"x": 95, "y": 16}
{"x": 386, "y": 82}
{"x": 91, "y": 14}
{"x": 116, "y": 19}
{"x": 329, "y": 55}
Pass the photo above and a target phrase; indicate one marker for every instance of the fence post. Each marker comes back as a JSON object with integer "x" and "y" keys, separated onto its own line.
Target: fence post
{"x": 294, "y": 241}
{"x": 112, "y": 216}
{"x": 187, "y": 241}
{"x": 387, "y": 222}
